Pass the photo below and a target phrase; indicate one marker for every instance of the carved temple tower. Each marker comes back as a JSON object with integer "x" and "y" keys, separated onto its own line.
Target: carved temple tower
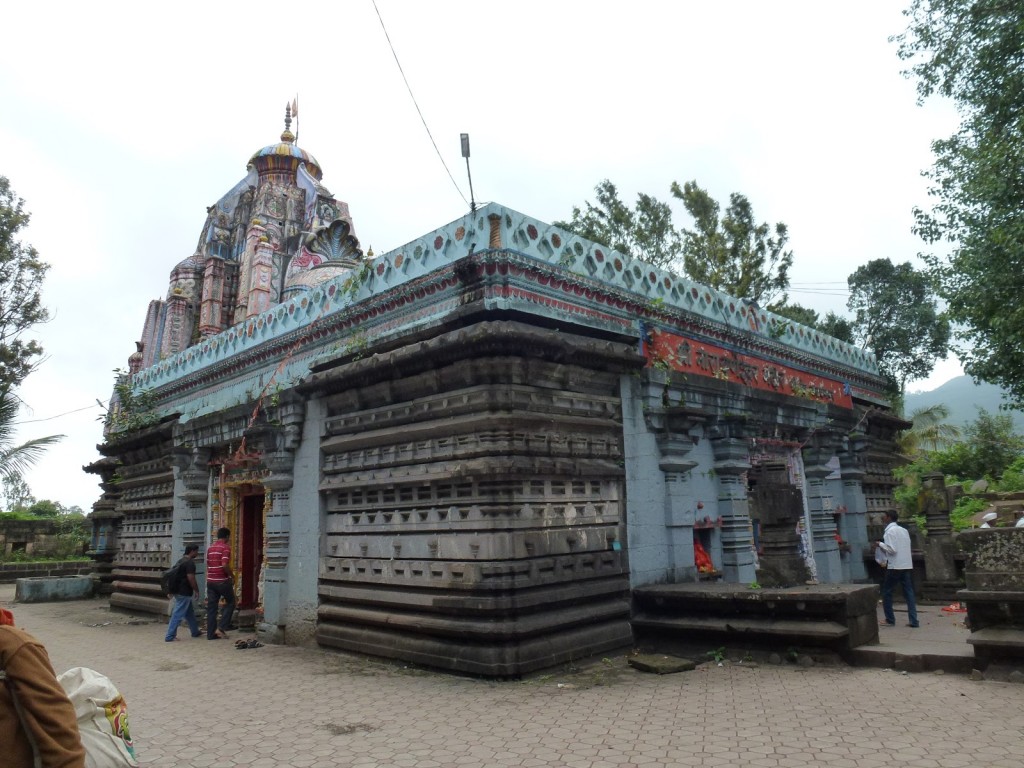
{"x": 256, "y": 248}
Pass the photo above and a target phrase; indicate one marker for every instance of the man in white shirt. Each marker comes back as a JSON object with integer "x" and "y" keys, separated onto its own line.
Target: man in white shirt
{"x": 900, "y": 568}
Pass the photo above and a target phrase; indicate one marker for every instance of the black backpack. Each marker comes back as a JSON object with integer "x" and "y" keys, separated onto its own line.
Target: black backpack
{"x": 170, "y": 580}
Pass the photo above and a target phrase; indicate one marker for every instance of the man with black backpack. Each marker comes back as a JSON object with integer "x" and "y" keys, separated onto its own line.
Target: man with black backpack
{"x": 184, "y": 589}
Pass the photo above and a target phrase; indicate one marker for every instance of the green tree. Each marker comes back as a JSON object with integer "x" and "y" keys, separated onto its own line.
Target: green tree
{"x": 994, "y": 443}
{"x": 730, "y": 252}
{"x": 896, "y": 316}
{"x": 838, "y": 327}
{"x": 17, "y": 495}
{"x": 21, "y": 279}
{"x": 930, "y": 431}
{"x": 734, "y": 253}
{"x": 46, "y": 508}
{"x": 832, "y": 324}
{"x": 970, "y": 51}
{"x": 797, "y": 313}
{"x": 990, "y": 445}
{"x": 644, "y": 232}
{"x": 16, "y": 459}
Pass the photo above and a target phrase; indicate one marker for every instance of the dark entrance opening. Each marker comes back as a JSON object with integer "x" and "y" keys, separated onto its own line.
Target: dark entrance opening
{"x": 250, "y": 543}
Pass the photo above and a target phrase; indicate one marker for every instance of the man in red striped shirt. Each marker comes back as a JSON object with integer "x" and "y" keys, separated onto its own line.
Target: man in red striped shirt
{"x": 219, "y": 584}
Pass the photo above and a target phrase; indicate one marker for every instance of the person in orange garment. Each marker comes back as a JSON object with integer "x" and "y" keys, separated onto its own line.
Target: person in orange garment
{"x": 37, "y": 721}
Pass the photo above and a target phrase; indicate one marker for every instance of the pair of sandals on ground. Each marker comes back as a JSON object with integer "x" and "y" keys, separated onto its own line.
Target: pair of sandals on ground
{"x": 240, "y": 645}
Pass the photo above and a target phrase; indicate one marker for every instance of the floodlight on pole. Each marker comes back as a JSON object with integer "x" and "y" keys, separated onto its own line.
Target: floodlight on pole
{"x": 465, "y": 153}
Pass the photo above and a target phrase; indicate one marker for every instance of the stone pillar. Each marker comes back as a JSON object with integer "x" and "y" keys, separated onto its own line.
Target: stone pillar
{"x": 822, "y": 507}
{"x": 275, "y": 557}
{"x": 780, "y": 506}
{"x": 177, "y": 326}
{"x": 853, "y": 518}
{"x": 732, "y": 461}
{"x": 190, "y": 518}
{"x": 280, "y": 463}
{"x": 259, "y": 278}
{"x": 940, "y": 577}
{"x": 935, "y": 505}
{"x": 211, "y": 311}
{"x": 253, "y": 236}
{"x": 672, "y": 426}
{"x": 106, "y": 525}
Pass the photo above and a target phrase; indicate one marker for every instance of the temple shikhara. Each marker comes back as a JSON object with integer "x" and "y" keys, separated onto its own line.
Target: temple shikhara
{"x": 494, "y": 449}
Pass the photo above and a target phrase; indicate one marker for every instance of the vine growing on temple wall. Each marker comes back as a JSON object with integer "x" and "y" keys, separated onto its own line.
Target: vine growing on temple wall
{"x": 129, "y": 409}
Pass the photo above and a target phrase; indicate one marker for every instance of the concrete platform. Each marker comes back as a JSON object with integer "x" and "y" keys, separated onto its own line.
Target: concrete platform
{"x": 830, "y": 617}
{"x": 940, "y": 643}
{"x": 48, "y": 589}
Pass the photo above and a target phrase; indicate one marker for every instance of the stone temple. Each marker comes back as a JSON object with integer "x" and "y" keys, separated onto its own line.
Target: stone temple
{"x": 472, "y": 452}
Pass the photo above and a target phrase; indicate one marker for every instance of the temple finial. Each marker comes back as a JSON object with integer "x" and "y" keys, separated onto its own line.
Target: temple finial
{"x": 287, "y": 136}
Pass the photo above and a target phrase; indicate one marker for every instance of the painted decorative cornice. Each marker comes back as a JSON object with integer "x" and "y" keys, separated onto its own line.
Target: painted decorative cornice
{"x": 515, "y": 263}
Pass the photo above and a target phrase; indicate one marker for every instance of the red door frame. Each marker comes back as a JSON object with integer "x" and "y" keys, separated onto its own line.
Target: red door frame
{"x": 250, "y": 545}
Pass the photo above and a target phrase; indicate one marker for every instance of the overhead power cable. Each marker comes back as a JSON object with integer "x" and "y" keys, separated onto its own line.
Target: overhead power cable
{"x": 418, "y": 111}
{"x": 58, "y": 416}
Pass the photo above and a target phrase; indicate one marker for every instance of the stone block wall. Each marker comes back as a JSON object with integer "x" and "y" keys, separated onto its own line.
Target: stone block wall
{"x": 33, "y": 537}
{"x": 474, "y": 505}
{"x": 142, "y": 492}
{"x": 11, "y": 572}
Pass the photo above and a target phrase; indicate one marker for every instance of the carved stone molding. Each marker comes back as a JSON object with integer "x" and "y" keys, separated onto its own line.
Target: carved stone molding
{"x": 673, "y": 429}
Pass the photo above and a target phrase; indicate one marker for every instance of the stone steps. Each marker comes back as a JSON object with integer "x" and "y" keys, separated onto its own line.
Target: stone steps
{"x": 759, "y": 628}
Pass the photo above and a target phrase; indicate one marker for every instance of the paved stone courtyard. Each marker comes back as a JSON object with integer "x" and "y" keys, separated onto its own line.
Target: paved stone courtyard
{"x": 205, "y": 704}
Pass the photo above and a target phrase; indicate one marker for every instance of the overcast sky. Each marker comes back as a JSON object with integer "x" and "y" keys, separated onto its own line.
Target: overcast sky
{"x": 120, "y": 123}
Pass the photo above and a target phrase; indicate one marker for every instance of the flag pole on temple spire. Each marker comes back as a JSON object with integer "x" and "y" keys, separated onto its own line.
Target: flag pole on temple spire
{"x": 295, "y": 114}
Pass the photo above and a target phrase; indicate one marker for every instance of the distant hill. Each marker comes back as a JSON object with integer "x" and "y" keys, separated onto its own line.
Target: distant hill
{"x": 963, "y": 398}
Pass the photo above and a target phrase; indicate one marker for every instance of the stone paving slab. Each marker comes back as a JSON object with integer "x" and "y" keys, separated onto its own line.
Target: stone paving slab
{"x": 203, "y": 704}
{"x": 660, "y": 664}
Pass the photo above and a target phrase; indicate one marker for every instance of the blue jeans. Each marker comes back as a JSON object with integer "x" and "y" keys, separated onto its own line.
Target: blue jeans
{"x": 183, "y": 609}
{"x": 905, "y": 578}
{"x": 215, "y": 590}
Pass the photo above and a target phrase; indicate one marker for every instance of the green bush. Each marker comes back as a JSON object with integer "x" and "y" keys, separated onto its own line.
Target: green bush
{"x": 17, "y": 516}
{"x": 1012, "y": 478}
{"x": 71, "y": 536}
{"x": 21, "y": 556}
{"x": 966, "y": 508}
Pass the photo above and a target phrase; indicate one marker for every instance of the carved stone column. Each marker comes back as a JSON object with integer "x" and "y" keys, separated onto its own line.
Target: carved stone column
{"x": 853, "y": 520}
{"x": 260, "y": 278}
{"x": 191, "y": 503}
{"x": 822, "y": 507}
{"x": 732, "y": 461}
{"x": 211, "y": 311}
{"x": 935, "y": 505}
{"x": 281, "y": 463}
{"x": 940, "y": 576}
{"x": 178, "y": 325}
{"x": 672, "y": 432}
{"x": 106, "y": 526}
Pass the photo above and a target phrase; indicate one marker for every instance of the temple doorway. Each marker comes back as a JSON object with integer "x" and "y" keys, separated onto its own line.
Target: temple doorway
{"x": 250, "y": 545}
